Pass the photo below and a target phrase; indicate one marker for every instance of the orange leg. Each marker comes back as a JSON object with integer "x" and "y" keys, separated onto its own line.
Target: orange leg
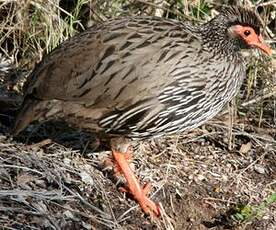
{"x": 139, "y": 193}
{"x": 110, "y": 163}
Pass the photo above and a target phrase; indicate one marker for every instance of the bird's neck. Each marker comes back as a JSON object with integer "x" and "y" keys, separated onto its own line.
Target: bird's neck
{"x": 218, "y": 40}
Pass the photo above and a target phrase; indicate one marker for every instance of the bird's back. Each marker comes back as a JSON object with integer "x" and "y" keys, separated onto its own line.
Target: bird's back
{"x": 139, "y": 76}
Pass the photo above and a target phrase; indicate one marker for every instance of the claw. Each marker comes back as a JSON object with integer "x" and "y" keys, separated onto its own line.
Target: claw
{"x": 134, "y": 188}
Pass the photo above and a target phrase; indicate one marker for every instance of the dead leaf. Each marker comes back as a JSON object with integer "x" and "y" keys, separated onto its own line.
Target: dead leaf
{"x": 24, "y": 179}
{"x": 245, "y": 148}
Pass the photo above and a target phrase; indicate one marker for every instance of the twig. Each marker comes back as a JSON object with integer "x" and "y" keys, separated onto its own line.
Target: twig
{"x": 21, "y": 167}
{"x": 76, "y": 194}
{"x": 20, "y": 210}
{"x": 260, "y": 98}
{"x": 267, "y": 3}
{"x": 251, "y": 165}
{"x": 166, "y": 9}
{"x": 41, "y": 143}
{"x": 217, "y": 199}
{"x": 93, "y": 218}
{"x": 41, "y": 194}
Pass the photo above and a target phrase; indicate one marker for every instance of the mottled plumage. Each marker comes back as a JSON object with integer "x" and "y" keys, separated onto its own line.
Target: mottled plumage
{"x": 140, "y": 76}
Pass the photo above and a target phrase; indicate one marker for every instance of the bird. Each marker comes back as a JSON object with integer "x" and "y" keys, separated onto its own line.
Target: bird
{"x": 142, "y": 77}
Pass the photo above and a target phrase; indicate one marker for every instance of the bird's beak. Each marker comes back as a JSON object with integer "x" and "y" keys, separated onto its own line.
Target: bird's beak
{"x": 260, "y": 44}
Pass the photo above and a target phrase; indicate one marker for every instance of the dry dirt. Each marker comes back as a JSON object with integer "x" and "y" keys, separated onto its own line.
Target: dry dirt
{"x": 200, "y": 178}
{"x": 198, "y": 181}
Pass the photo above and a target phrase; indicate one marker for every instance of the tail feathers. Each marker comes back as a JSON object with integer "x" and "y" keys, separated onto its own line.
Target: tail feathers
{"x": 34, "y": 110}
{"x": 25, "y": 116}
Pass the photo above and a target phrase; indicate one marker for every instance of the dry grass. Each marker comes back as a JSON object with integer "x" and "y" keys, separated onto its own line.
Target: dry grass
{"x": 200, "y": 177}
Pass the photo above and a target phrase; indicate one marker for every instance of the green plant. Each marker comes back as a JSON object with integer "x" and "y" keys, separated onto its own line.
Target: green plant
{"x": 246, "y": 213}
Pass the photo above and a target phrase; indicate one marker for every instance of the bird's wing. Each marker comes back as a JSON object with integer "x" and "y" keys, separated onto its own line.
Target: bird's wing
{"x": 115, "y": 64}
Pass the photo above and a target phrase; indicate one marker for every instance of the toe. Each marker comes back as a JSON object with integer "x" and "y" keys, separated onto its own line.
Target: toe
{"x": 149, "y": 207}
{"x": 147, "y": 189}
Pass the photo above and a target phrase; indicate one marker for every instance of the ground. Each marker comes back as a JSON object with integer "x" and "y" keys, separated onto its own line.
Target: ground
{"x": 198, "y": 181}
{"x": 221, "y": 175}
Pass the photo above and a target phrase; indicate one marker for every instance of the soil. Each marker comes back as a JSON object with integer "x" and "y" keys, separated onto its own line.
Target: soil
{"x": 209, "y": 178}
{"x": 197, "y": 180}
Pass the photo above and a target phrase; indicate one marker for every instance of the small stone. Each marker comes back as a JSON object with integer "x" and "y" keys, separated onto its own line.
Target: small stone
{"x": 224, "y": 178}
{"x": 86, "y": 225}
{"x": 245, "y": 148}
{"x": 68, "y": 214}
{"x": 259, "y": 168}
{"x": 200, "y": 177}
{"x": 86, "y": 178}
{"x": 228, "y": 165}
{"x": 67, "y": 161}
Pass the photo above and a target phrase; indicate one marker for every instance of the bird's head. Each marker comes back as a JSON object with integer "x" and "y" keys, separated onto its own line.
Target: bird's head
{"x": 243, "y": 28}
{"x": 249, "y": 38}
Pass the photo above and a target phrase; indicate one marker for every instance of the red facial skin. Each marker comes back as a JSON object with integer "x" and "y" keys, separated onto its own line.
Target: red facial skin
{"x": 249, "y": 35}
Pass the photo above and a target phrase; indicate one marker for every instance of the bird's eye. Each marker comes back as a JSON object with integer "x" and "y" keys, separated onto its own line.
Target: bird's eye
{"x": 247, "y": 33}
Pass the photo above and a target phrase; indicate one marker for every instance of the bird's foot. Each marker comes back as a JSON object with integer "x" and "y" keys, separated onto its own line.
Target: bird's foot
{"x": 134, "y": 188}
{"x": 147, "y": 205}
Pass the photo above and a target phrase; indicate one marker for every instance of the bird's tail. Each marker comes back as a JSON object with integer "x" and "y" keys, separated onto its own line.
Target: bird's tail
{"x": 25, "y": 116}
{"x": 34, "y": 110}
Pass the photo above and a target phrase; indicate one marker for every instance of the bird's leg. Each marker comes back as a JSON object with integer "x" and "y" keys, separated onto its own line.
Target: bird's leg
{"x": 110, "y": 163}
{"x": 138, "y": 192}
